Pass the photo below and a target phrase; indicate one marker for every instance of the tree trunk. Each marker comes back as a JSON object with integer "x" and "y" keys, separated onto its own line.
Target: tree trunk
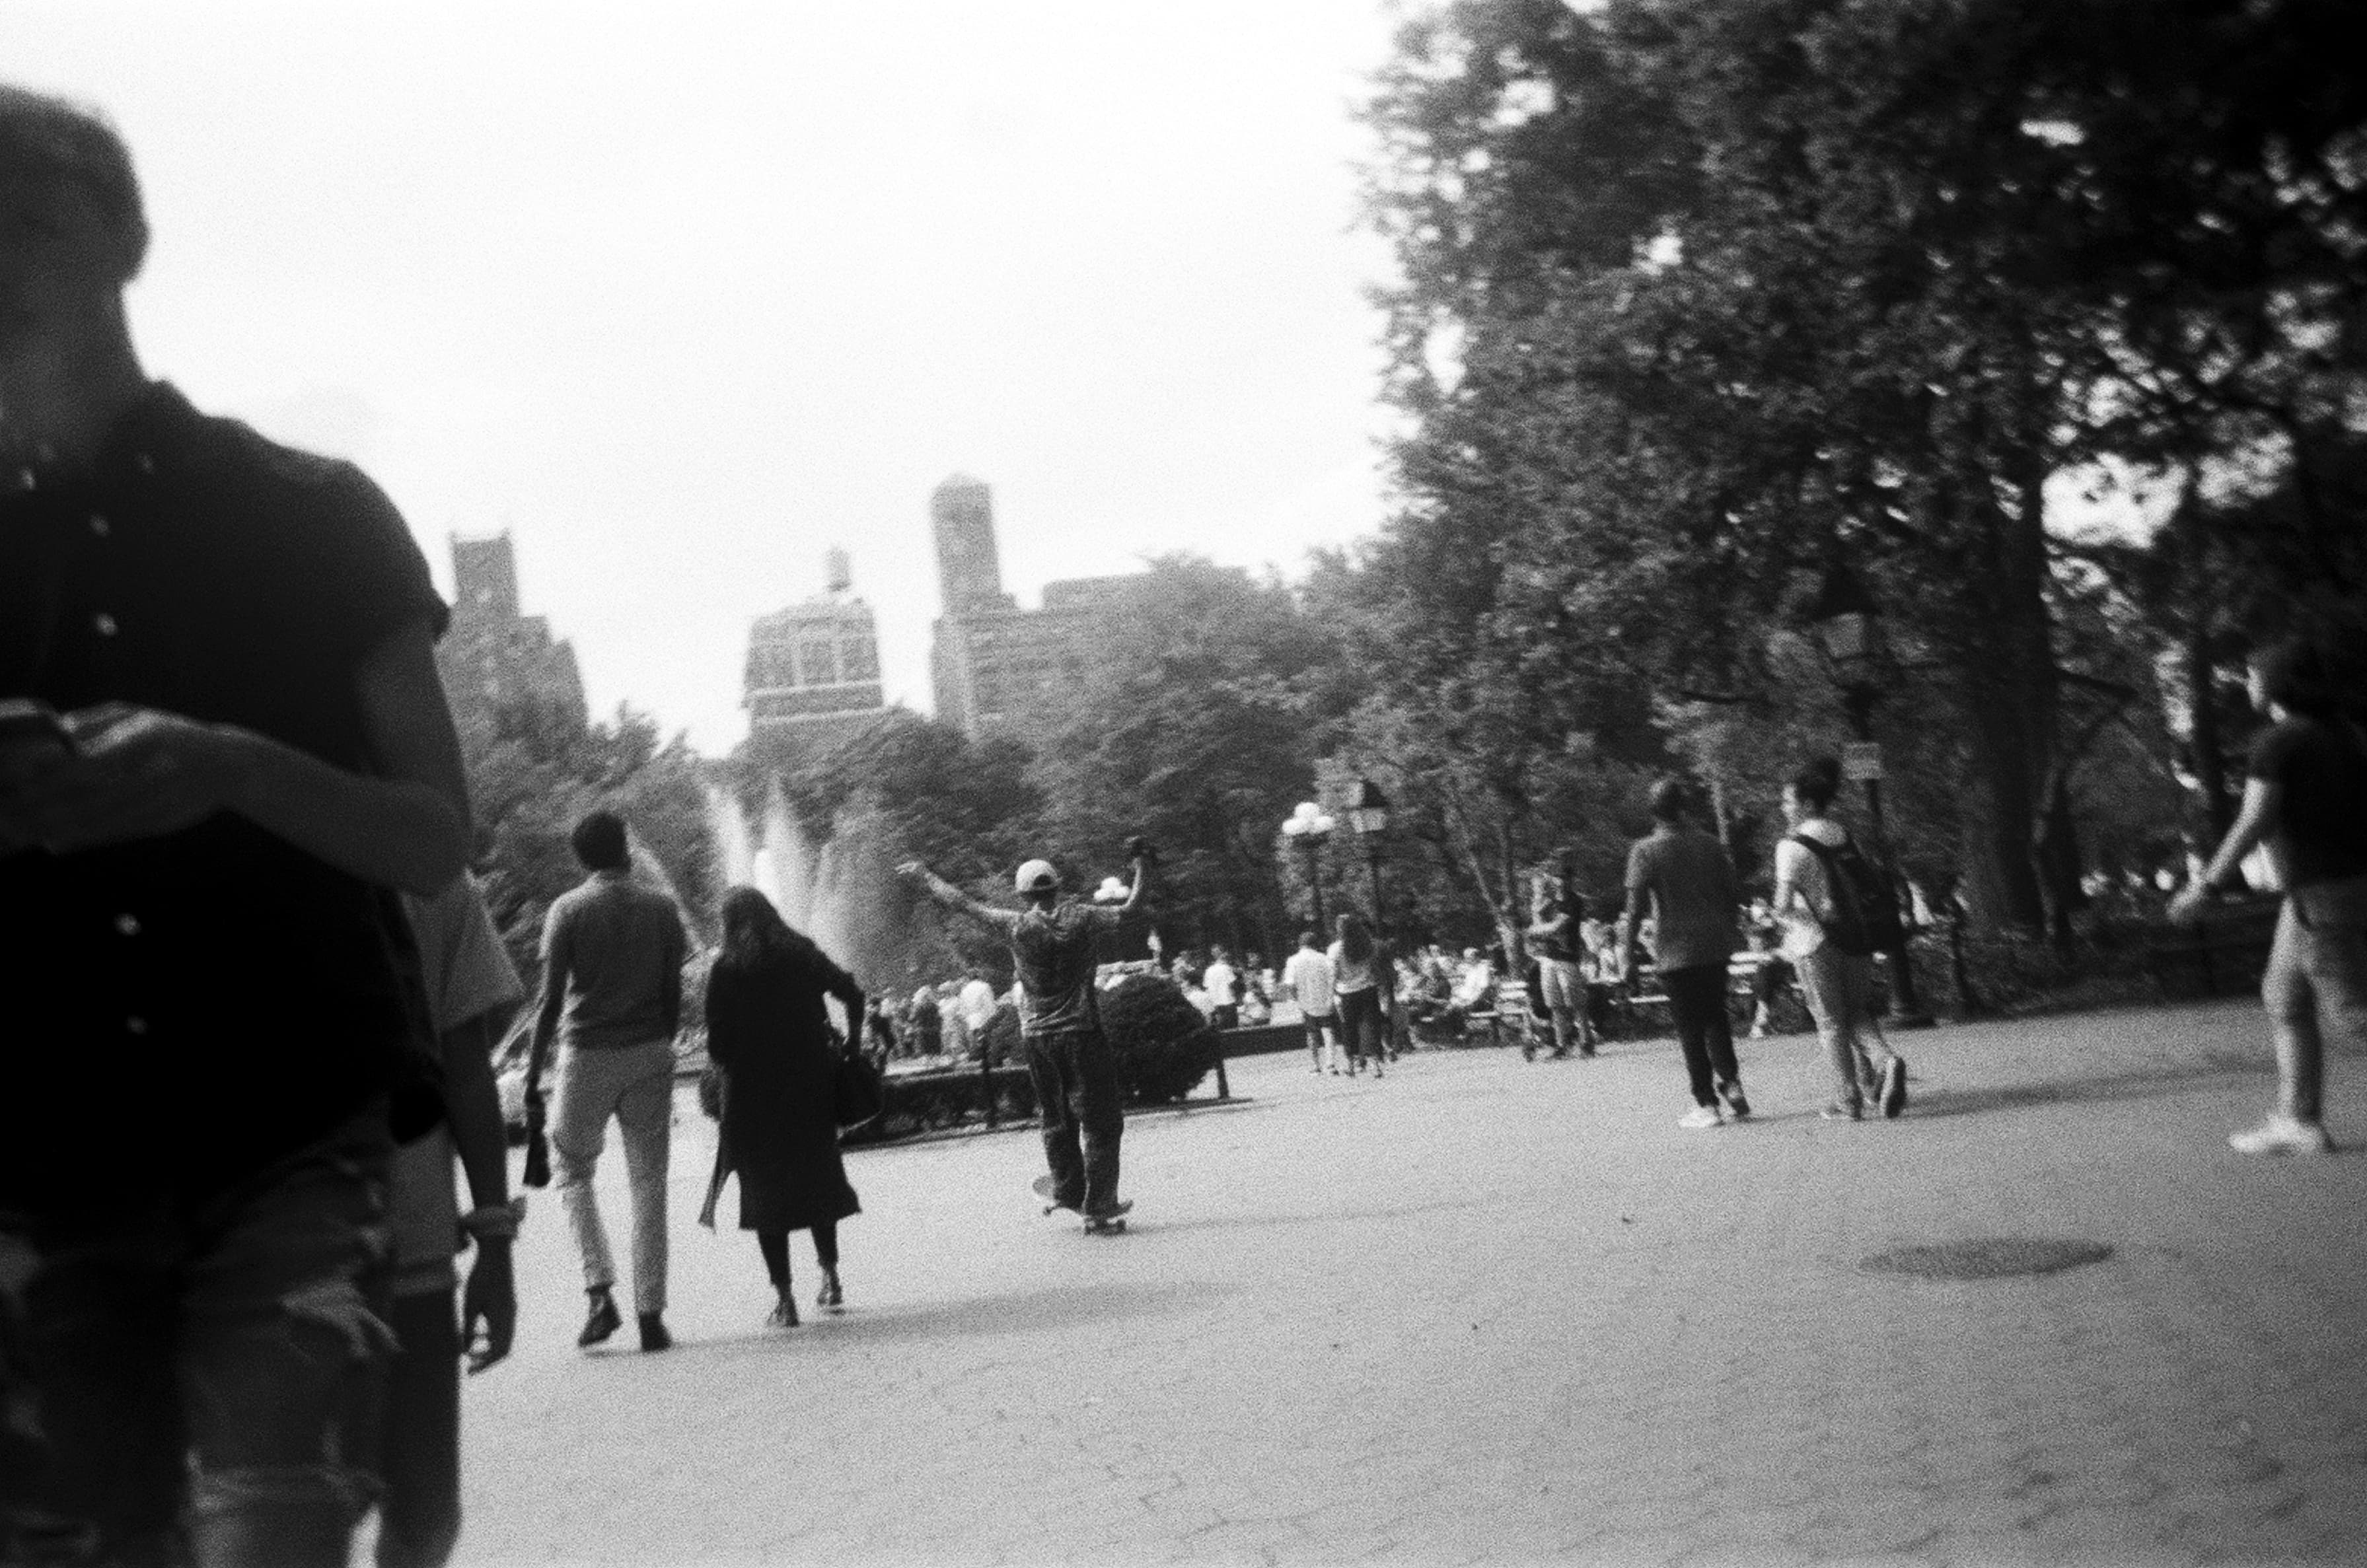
{"x": 2210, "y": 763}
{"x": 2011, "y": 696}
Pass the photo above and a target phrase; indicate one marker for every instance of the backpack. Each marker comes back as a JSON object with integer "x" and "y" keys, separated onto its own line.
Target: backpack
{"x": 1864, "y": 914}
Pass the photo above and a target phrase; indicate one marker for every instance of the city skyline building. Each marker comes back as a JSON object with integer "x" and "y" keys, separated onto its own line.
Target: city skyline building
{"x": 494, "y": 655}
{"x": 995, "y": 666}
{"x": 813, "y": 674}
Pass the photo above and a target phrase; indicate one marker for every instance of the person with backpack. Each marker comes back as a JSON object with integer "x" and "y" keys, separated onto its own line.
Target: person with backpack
{"x": 1835, "y": 906}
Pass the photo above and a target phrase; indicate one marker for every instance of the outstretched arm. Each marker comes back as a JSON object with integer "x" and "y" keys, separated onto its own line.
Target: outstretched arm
{"x": 947, "y": 896}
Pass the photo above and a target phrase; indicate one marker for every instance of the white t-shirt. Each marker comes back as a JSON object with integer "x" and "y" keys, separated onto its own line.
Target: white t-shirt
{"x": 978, "y": 1003}
{"x": 1219, "y": 979}
{"x": 1308, "y": 977}
{"x": 1798, "y": 865}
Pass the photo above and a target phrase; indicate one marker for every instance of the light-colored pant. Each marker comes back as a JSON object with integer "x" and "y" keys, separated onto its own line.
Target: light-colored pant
{"x": 2315, "y": 986}
{"x": 635, "y": 1084}
{"x": 1838, "y": 987}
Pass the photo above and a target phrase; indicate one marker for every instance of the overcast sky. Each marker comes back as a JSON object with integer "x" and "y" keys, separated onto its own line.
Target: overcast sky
{"x": 681, "y": 294}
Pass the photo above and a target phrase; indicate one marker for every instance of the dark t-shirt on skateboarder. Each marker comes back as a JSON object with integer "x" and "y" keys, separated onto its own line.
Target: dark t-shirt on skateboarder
{"x": 1057, "y": 950}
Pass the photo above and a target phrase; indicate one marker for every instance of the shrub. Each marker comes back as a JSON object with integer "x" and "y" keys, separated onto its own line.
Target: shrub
{"x": 1162, "y": 1044}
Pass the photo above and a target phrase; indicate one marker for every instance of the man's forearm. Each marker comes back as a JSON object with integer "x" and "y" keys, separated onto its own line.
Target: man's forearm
{"x": 473, "y": 1108}
{"x": 546, "y": 1026}
{"x": 398, "y": 832}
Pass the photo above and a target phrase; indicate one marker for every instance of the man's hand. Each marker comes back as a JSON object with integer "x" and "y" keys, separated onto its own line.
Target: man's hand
{"x": 488, "y": 1302}
{"x": 137, "y": 772}
{"x": 2187, "y": 907}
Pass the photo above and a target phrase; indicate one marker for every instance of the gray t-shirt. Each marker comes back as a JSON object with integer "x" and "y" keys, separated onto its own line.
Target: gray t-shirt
{"x": 618, "y": 947}
{"x": 1058, "y": 952}
{"x": 1690, "y": 880}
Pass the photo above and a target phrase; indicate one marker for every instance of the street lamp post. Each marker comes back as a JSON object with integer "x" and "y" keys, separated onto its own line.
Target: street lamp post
{"x": 1368, "y": 813}
{"x": 1848, "y": 627}
{"x": 1308, "y": 828}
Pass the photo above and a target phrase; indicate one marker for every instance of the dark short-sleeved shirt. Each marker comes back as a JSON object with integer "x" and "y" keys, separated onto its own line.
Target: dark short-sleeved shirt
{"x": 618, "y": 948}
{"x": 1058, "y": 952}
{"x": 1560, "y": 941}
{"x": 185, "y": 1010}
{"x": 2322, "y": 821}
{"x": 1690, "y": 880}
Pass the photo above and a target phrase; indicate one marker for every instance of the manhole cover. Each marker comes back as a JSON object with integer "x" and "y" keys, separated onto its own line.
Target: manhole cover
{"x": 1993, "y": 1257}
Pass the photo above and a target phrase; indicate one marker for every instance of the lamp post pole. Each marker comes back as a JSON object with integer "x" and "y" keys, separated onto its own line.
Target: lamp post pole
{"x": 1368, "y": 813}
{"x": 1308, "y": 828}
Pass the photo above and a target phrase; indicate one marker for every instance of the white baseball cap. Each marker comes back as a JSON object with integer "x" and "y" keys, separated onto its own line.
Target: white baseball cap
{"x": 1037, "y": 876}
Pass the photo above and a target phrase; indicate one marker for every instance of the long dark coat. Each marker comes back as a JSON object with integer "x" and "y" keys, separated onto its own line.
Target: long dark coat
{"x": 766, "y": 1029}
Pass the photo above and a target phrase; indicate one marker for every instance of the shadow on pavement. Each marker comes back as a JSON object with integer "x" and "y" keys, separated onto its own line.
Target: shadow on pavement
{"x": 1932, "y": 1102}
{"x": 1261, "y": 1221}
{"x": 1029, "y": 1311}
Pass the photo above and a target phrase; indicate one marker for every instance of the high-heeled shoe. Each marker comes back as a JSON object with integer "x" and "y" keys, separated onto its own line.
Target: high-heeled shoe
{"x": 784, "y": 1314}
{"x": 830, "y": 1298}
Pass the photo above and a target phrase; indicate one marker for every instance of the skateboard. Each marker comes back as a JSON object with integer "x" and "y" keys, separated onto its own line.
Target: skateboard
{"x": 1111, "y": 1224}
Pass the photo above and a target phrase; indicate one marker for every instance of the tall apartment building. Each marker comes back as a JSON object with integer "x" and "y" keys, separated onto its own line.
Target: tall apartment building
{"x": 813, "y": 669}
{"x": 997, "y": 667}
{"x": 494, "y": 655}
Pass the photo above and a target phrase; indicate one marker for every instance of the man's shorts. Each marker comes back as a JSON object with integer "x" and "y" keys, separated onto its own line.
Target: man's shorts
{"x": 1564, "y": 986}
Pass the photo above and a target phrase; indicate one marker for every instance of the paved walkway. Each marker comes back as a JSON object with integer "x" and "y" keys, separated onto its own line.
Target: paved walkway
{"x": 1484, "y": 1310}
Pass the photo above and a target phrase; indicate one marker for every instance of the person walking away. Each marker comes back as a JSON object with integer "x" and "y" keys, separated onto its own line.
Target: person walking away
{"x": 1683, "y": 879}
{"x": 1224, "y": 987}
{"x": 1556, "y": 913}
{"x": 1813, "y": 881}
{"x": 1306, "y": 975}
{"x": 927, "y": 1039}
{"x": 233, "y": 746}
{"x": 978, "y": 1006}
{"x": 953, "y": 1022}
{"x": 472, "y": 988}
{"x": 1055, "y": 946}
{"x": 612, "y": 957}
{"x": 767, "y": 1029}
{"x": 2305, "y": 797}
{"x": 1358, "y": 969}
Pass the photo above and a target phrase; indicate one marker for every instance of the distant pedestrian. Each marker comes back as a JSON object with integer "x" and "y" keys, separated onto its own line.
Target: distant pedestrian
{"x": 1223, "y": 982}
{"x": 978, "y": 1005}
{"x": 2305, "y": 797}
{"x": 768, "y": 1029}
{"x": 1055, "y": 947}
{"x": 1359, "y": 969}
{"x": 927, "y": 1038}
{"x": 1683, "y": 879}
{"x": 612, "y": 956}
{"x": 1816, "y": 873}
{"x": 1306, "y": 975}
{"x": 1557, "y": 913}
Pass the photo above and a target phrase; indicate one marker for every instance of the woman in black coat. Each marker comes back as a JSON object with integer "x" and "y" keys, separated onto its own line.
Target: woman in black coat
{"x": 767, "y": 1030}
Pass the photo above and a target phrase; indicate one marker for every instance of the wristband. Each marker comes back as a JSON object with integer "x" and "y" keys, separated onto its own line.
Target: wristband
{"x": 494, "y": 1222}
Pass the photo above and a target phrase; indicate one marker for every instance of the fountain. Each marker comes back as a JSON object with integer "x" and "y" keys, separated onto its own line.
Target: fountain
{"x": 836, "y": 892}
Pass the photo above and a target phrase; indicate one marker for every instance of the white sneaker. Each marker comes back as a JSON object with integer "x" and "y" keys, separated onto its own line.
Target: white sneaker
{"x": 2282, "y": 1135}
{"x": 1700, "y": 1117}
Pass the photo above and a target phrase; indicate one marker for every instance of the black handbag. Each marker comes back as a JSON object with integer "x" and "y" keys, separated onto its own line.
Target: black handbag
{"x": 858, "y": 1092}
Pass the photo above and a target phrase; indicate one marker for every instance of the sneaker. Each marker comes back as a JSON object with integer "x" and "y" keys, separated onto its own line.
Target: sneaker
{"x": 1894, "y": 1088}
{"x": 1701, "y": 1117}
{"x": 1736, "y": 1105}
{"x": 654, "y": 1332}
{"x": 1841, "y": 1111}
{"x": 2282, "y": 1135}
{"x": 602, "y": 1321}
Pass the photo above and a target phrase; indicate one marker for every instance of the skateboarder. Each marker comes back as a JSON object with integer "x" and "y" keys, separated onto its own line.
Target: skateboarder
{"x": 1054, "y": 945}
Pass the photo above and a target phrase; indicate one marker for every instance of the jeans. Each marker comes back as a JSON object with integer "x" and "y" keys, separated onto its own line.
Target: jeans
{"x": 1077, "y": 1095}
{"x": 634, "y": 1085}
{"x": 200, "y": 1379}
{"x": 2315, "y": 985}
{"x": 1838, "y": 987}
{"x": 1697, "y": 1005}
{"x": 419, "y": 1517}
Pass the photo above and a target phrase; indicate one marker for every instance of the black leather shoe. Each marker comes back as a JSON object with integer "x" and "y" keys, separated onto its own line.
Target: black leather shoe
{"x": 653, "y": 1333}
{"x": 602, "y": 1323}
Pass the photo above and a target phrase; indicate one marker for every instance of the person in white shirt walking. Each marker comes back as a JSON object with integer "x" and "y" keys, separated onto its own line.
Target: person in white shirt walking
{"x": 1306, "y": 975}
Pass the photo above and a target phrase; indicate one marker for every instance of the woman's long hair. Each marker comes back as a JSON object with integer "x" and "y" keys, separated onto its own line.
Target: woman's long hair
{"x": 754, "y": 935}
{"x": 1355, "y": 942}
